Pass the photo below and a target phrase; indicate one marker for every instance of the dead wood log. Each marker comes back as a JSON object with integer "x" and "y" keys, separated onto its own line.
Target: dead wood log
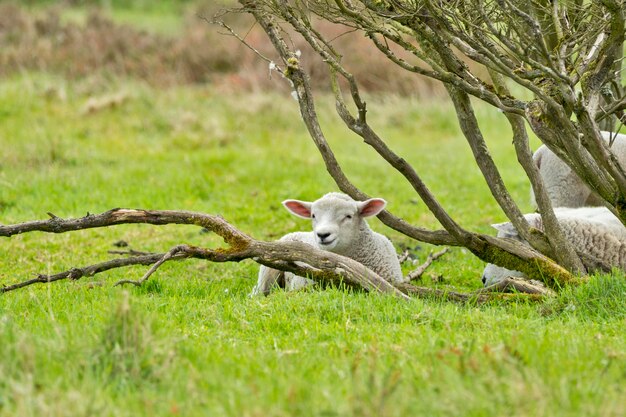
{"x": 296, "y": 257}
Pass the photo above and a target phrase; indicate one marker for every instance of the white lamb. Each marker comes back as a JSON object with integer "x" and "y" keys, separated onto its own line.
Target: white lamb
{"x": 564, "y": 187}
{"x": 593, "y": 230}
{"x": 339, "y": 226}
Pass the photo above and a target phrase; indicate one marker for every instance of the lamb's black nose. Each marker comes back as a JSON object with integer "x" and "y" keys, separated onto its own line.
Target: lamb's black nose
{"x": 484, "y": 279}
{"x": 323, "y": 236}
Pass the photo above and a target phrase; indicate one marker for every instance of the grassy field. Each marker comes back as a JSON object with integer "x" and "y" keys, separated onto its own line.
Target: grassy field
{"x": 192, "y": 343}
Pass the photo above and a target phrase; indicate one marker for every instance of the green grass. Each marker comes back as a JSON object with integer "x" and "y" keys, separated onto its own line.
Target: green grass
{"x": 153, "y": 21}
{"x": 190, "y": 342}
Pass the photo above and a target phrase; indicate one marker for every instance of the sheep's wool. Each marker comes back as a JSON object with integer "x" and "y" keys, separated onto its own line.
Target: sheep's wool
{"x": 564, "y": 187}
{"x": 594, "y": 231}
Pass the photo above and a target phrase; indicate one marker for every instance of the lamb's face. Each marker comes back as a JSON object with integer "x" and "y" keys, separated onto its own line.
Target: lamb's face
{"x": 336, "y": 224}
{"x": 492, "y": 274}
{"x": 337, "y": 219}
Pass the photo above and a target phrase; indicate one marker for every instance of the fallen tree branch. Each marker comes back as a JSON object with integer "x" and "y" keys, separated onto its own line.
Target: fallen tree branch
{"x": 296, "y": 257}
{"x": 478, "y": 297}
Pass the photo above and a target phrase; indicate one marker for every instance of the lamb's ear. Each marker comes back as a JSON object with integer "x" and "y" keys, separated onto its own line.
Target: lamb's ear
{"x": 299, "y": 208}
{"x": 535, "y": 220}
{"x": 538, "y": 155}
{"x": 505, "y": 229}
{"x": 371, "y": 207}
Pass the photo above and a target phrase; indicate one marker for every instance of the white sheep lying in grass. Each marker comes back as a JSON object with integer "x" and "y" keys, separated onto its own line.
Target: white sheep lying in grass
{"x": 339, "y": 226}
{"x": 593, "y": 230}
{"x": 564, "y": 187}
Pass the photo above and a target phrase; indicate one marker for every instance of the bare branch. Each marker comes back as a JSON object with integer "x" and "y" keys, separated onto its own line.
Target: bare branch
{"x": 590, "y": 57}
{"x": 432, "y": 257}
{"x": 77, "y": 273}
{"x": 404, "y": 256}
{"x": 560, "y": 248}
{"x": 519, "y": 285}
{"x": 171, "y": 254}
{"x": 118, "y": 216}
{"x": 477, "y": 297}
{"x": 295, "y": 257}
{"x": 130, "y": 252}
{"x": 469, "y": 126}
{"x": 236, "y": 35}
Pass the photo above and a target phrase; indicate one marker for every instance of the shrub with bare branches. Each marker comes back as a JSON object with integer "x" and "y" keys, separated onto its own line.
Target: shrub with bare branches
{"x": 565, "y": 56}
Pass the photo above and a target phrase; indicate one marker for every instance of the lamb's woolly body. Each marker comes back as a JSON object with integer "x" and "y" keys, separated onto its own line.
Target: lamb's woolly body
{"x": 366, "y": 246}
{"x": 592, "y": 230}
{"x": 564, "y": 187}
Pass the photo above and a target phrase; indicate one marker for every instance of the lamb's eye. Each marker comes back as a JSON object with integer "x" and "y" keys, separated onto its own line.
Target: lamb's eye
{"x": 348, "y": 216}
{"x": 312, "y": 216}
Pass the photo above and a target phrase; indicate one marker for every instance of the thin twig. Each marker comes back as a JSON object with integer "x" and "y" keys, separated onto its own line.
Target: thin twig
{"x": 239, "y": 38}
{"x": 87, "y": 271}
{"x": 415, "y": 274}
{"x": 478, "y": 297}
{"x": 177, "y": 250}
{"x": 404, "y": 256}
{"x": 519, "y": 285}
{"x": 130, "y": 252}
